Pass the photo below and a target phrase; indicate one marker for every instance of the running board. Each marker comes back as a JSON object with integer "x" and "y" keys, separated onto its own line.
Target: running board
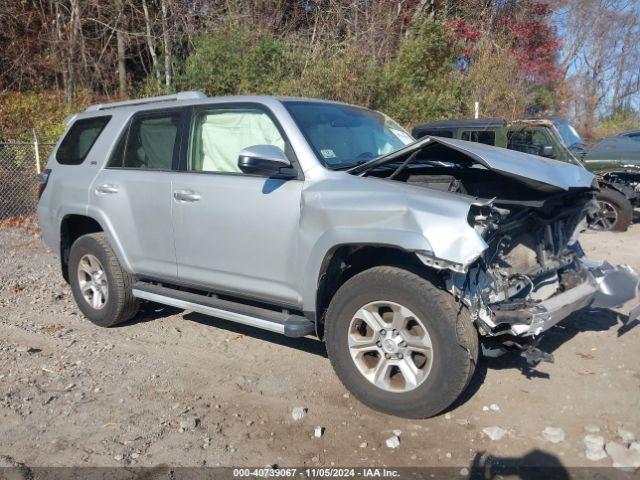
{"x": 275, "y": 321}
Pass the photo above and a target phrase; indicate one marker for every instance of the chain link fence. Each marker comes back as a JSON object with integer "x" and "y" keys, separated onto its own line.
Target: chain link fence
{"x": 20, "y": 163}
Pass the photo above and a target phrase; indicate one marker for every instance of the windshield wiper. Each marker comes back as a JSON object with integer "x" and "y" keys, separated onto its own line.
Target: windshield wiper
{"x": 355, "y": 164}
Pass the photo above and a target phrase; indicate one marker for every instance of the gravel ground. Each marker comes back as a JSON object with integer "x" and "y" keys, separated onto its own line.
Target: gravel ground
{"x": 184, "y": 389}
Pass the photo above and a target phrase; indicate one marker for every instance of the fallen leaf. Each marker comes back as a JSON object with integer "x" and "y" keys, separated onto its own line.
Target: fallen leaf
{"x": 586, "y": 356}
{"x": 52, "y": 328}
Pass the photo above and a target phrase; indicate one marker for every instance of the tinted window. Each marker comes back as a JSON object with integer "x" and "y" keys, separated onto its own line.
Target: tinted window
{"x": 76, "y": 144}
{"x": 634, "y": 136}
{"x": 151, "y": 143}
{"x": 433, "y": 133}
{"x": 219, "y": 135}
{"x": 480, "y": 136}
{"x": 527, "y": 140}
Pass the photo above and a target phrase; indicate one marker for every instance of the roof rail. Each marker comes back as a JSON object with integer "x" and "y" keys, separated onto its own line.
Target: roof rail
{"x": 145, "y": 101}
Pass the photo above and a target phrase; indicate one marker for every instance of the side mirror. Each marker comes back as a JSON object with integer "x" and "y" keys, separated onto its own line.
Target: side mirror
{"x": 265, "y": 160}
{"x": 546, "y": 151}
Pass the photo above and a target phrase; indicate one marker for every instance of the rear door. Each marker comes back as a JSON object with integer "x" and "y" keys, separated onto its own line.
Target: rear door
{"x": 133, "y": 192}
{"x": 234, "y": 232}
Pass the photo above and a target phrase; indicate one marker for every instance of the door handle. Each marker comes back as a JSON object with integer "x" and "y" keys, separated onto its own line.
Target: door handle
{"x": 106, "y": 189}
{"x": 186, "y": 196}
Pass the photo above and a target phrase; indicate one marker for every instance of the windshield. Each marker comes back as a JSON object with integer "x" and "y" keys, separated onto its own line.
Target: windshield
{"x": 343, "y": 136}
{"x": 567, "y": 132}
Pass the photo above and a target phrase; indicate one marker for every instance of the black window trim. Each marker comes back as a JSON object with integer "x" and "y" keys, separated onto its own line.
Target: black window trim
{"x": 479, "y": 131}
{"x": 73, "y": 125}
{"x": 124, "y": 135}
{"x": 183, "y": 166}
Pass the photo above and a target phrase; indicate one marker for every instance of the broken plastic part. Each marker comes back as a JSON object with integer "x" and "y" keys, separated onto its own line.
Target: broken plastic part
{"x": 534, "y": 355}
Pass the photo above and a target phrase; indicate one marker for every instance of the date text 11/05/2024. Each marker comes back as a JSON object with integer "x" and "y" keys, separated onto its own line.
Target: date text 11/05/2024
{"x": 317, "y": 472}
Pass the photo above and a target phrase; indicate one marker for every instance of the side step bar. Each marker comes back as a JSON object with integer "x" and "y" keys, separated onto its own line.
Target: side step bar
{"x": 280, "y": 322}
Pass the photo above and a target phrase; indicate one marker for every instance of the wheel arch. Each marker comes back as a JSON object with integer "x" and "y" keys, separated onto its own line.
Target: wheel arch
{"x": 75, "y": 225}
{"x": 604, "y": 182}
{"x": 343, "y": 261}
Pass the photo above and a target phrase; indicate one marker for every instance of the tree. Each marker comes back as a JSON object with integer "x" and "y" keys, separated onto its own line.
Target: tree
{"x": 600, "y": 62}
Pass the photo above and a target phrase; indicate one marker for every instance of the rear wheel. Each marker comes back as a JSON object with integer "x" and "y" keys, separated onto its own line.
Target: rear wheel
{"x": 100, "y": 286}
{"x": 615, "y": 212}
{"x": 400, "y": 344}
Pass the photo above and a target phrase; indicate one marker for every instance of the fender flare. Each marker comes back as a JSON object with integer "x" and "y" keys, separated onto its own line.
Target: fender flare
{"x": 330, "y": 240}
{"x": 114, "y": 240}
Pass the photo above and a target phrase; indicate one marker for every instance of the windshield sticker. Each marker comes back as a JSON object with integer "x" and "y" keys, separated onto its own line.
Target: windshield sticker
{"x": 327, "y": 153}
{"x": 403, "y": 136}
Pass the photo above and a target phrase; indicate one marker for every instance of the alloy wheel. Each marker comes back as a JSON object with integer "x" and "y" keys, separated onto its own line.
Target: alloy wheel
{"x": 92, "y": 281}
{"x": 605, "y": 218}
{"x": 390, "y": 346}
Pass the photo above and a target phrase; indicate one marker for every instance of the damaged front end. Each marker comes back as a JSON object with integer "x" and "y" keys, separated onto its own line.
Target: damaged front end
{"x": 534, "y": 273}
{"x": 529, "y": 212}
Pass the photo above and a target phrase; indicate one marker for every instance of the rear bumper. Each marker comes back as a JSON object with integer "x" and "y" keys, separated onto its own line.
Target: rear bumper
{"x": 604, "y": 286}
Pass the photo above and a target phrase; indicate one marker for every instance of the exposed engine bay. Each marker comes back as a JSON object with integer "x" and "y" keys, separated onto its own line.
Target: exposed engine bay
{"x": 533, "y": 272}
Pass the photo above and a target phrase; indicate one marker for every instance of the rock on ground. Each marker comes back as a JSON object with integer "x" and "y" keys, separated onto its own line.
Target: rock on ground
{"x": 594, "y": 445}
{"x": 553, "y": 435}
{"x": 494, "y": 433}
{"x": 626, "y": 436}
{"x": 622, "y": 456}
{"x": 393, "y": 442}
{"x": 298, "y": 413}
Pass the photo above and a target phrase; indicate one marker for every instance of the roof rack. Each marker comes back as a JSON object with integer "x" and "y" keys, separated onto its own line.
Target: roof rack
{"x": 145, "y": 101}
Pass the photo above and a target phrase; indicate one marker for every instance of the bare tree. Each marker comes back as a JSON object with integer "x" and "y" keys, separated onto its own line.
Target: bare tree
{"x": 167, "y": 43}
{"x": 600, "y": 61}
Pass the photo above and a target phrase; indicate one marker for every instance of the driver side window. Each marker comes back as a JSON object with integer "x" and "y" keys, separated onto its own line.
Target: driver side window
{"x": 527, "y": 140}
{"x": 218, "y": 136}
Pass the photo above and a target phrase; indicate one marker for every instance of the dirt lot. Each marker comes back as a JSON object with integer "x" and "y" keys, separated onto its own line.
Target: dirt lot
{"x": 183, "y": 389}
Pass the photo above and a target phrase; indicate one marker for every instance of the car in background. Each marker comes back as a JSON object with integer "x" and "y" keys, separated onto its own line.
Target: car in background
{"x": 632, "y": 134}
{"x": 615, "y": 160}
{"x": 541, "y": 137}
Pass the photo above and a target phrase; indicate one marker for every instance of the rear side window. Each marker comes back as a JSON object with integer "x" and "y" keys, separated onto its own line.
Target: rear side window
{"x": 487, "y": 137}
{"x": 433, "y": 133}
{"x": 76, "y": 144}
{"x": 151, "y": 143}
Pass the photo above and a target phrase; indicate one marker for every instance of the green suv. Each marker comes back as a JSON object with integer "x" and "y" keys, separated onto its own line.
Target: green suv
{"x": 537, "y": 137}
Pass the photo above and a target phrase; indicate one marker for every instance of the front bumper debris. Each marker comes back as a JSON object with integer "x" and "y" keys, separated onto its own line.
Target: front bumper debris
{"x": 604, "y": 286}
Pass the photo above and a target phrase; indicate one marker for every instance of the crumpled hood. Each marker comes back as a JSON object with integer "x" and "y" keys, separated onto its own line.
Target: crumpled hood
{"x": 530, "y": 169}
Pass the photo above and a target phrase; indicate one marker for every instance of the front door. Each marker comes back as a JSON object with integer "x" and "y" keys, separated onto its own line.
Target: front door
{"x": 530, "y": 140}
{"x": 234, "y": 232}
{"x": 133, "y": 192}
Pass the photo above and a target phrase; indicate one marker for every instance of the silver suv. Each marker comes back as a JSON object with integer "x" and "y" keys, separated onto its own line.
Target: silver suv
{"x": 309, "y": 217}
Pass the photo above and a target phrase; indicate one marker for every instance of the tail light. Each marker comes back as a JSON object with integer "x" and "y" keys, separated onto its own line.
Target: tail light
{"x": 43, "y": 178}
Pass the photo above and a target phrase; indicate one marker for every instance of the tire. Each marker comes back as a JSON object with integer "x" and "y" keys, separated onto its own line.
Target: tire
{"x": 453, "y": 337}
{"x": 616, "y": 212}
{"x": 109, "y": 307}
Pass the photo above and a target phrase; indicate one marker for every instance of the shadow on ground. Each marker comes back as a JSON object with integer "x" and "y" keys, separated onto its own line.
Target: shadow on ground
{"x": 534, "y": 465}
{"x": 595, "y": 320}
{"x": 153, "y": 311}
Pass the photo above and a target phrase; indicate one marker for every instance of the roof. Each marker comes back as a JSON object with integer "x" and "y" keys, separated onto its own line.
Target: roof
{"x": 193, "y": 98}
{"x": 479, "y": 123}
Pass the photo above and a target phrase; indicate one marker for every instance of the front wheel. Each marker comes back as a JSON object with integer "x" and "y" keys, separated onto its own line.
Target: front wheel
{"x": 614, "y": 214}
{"x": 400, "y": 344}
